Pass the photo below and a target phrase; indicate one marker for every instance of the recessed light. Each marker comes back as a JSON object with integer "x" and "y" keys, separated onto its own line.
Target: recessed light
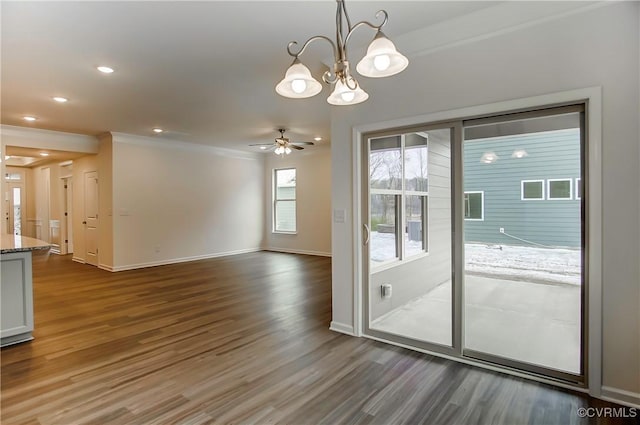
{"x": 60, "y": 99}
{"x": 158, "y": 130}
{"x": 29, "y": 118}
{"x": 44, "y": 153}
{"x": 263, "y": 147}
{"x": 105, "y": 69}
{"x": 317, "y": 139}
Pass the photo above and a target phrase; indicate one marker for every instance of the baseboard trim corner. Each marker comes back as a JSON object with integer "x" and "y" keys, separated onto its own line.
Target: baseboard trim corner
{"x": 78, "y": 260}
{"x": 342, "y": 328}
{"x": 298, "y": 251}
{"x": 616, "y": 395}
{"x": 180, "y": 260}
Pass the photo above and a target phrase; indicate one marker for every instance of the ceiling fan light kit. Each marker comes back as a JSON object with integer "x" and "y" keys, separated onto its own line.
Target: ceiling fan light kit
{"x": 282, "y": 145}
{"x": 382, "y": 60}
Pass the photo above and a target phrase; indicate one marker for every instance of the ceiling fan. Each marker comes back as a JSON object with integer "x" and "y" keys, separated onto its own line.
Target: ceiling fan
{"x": 281, "y": 145}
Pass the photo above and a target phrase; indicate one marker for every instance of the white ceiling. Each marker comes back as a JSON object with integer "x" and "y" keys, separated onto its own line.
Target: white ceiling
{"x": 204, "y": 71}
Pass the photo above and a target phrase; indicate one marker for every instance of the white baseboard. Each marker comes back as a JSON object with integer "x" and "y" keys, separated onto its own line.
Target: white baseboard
{"x": 619, "y": 396}
{"x": 105, "y": 267}
{"x": 177, "y": 260}
{"x": 299, "y": 251}
{"x": 342, "y": 328}
{"x": 78, "y": 260}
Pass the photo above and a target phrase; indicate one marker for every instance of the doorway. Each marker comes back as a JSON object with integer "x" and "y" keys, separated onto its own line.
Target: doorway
{"x": 480, "y": 254}
{"x": 14, "y": 208}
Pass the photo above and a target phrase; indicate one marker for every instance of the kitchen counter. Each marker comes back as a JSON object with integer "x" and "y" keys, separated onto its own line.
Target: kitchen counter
{"x": 16, "y": 287}
{"x": 11, "y": 243}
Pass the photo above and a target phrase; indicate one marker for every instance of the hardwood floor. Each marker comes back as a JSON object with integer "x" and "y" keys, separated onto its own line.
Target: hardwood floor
{"x": 240, "y": 339}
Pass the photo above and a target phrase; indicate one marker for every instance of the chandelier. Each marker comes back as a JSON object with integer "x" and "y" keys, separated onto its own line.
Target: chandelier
{"x": 382, "y": 60}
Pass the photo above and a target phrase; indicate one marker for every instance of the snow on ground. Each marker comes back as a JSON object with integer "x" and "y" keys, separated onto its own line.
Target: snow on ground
{"x": 531, "y": 264}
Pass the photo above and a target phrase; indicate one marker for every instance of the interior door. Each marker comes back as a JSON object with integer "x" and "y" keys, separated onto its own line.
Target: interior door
{"x": 68, "y": 218}
{"x": 91, "y": 217}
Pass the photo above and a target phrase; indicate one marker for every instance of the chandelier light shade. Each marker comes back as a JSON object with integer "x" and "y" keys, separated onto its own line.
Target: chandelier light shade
{"x": 382, "y": 60}
{"x": 298, "y": 83}
{"x": 343, "y": 95}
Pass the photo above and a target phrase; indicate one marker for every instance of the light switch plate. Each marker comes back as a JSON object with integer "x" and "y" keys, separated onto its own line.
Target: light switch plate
{"x": 339, "y": 216}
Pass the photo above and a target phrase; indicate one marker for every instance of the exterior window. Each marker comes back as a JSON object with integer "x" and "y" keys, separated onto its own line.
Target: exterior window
{"x": 13, "y": 176}
{"x": 399, "y": 191}
{"x": 559, "y": 189}
{"x": 532, "y": 190}
{"x": 578, "y": 188}
{"x": 284, "y": 200}
{"x": 474, "y": 205}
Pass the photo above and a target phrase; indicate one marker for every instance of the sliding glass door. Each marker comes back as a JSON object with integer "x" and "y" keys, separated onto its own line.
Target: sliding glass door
{"x": 409, "y": 228}
{"x": 474, "y": 239}
{"x": 523, "y": 241}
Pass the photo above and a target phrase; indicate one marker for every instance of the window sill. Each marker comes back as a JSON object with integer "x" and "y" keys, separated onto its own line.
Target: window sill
{"x": 389, "y": 264}
{"x": 282, "y": 232}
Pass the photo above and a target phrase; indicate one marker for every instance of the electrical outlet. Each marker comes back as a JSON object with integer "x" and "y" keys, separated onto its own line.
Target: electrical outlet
{"x": 502, "y": 230}
{"x": 386, "y": 290}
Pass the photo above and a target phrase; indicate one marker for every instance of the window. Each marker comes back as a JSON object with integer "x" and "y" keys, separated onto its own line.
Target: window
{"x": 532, "y": 190}
{"x": 399, "y": 190}
{"x": 578, "y": 188}
{"x": 474, "y": 206}
{"x": 284, "y": 200}
{"x": 13, "y": 176}
{"x": 559, "y": 189}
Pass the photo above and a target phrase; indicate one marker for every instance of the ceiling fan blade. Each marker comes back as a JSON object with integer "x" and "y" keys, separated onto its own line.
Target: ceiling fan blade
{"x": 302, "y": 143}
{"x": 262, "y": 144}
{"x": 296, "y": 147}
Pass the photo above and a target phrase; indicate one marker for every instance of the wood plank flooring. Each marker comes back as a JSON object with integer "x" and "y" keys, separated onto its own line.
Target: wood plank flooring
{"x": 244, "y": 340}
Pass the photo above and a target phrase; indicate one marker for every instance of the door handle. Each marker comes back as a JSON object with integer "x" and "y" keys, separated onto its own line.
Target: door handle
{"x": 368, "y": 233}
{"x": 84, "y": 222}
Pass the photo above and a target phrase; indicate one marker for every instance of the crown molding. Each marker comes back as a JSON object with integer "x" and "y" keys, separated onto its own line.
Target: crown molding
{"x": 501, "y": 19}
{"x": 47, "y": 139}
{"x": 158, "y": 143}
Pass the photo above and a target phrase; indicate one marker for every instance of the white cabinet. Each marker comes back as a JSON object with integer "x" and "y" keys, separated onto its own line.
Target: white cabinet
{"x": 16, "y": 298}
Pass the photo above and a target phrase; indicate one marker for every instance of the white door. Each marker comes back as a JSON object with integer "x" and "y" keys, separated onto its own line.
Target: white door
{"x": 66, "y": 242}
{"x": 91, "y": 217}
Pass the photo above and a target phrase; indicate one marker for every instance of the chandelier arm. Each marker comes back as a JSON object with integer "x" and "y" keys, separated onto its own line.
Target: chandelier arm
{"x": 355, "y": 83}
{"x": 346, "y": 16}
{"x": 330, "y": 77}
{"x": 309, "y": 41}
{"x": 369, "y": 24}
{"x": 340, "y": 45}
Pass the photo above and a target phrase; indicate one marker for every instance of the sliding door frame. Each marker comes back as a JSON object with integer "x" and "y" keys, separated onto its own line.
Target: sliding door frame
{"x": 456, "y": 249}
{"x": 592, "y": 187}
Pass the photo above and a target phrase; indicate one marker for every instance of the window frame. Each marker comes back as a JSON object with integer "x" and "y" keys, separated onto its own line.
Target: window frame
{"x": 522, "y": 182}
{"x": 276, "y": 200}
{"x": 464, "y": 206}
{"x": 577, "y": 189}
{"x": 400, "y": 210}
{"x": 569, "y": 198}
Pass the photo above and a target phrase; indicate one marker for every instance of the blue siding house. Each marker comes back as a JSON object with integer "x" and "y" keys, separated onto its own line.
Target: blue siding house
{"x": 524, "y": 189}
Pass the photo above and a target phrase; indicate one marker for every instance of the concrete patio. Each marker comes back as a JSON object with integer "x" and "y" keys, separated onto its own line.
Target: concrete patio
{"x": 537, "y": 323}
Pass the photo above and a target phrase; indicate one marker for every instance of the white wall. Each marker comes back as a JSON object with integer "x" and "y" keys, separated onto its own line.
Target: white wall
{"x": 599, "y": 47}
{"x": 105, "y": 202}
{"x": 175, "y": 202}
{"x": 313, "y": 189}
